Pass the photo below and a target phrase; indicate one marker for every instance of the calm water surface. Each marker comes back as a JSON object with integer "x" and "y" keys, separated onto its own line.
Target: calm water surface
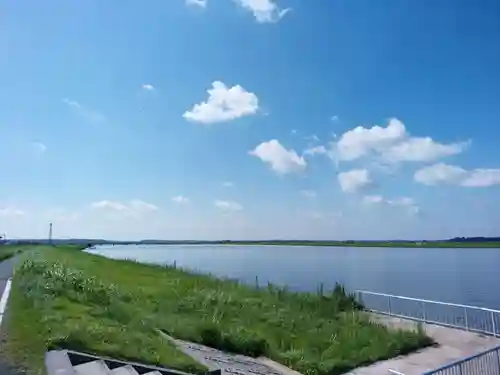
{"x": 466, "y": 276}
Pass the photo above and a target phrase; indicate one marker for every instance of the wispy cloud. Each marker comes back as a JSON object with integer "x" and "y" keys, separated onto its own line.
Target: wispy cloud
{"x": 264, "y": 11}
{"x": 197, "y": 3}
{"x": 228, "y": 205}
{"x": 309, "y": 194}
{"x": 228, "y": 184}
{"x": 148, "y": 87}
{"x": 88, "y": 114}
{"x": 39, "y": 147}
{"x": 180, "y": 199}
{"x": 11, "y": 212}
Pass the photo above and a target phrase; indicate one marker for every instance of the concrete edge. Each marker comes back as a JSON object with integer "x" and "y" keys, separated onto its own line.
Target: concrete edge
{"x": 57, "y": 362}
{"x": 277, "y": 366}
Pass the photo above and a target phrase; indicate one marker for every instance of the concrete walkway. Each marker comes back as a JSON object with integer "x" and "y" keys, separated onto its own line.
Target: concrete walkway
{"x": 453, "y": 345}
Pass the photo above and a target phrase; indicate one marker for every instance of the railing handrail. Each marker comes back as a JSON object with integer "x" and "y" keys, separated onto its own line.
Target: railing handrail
{"x": 429, "y": 301}
{"x": 460, "y": 361}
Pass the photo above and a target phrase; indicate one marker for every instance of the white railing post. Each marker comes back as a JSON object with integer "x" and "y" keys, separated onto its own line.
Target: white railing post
{"x": 390, "y": 307}
{"x": 424, "y": 314}
{"x": 466, "y": 320}
{"x": 493, "y": 324}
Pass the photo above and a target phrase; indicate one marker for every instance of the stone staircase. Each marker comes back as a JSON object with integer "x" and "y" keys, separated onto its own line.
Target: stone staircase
{"x": 68, "y": 362}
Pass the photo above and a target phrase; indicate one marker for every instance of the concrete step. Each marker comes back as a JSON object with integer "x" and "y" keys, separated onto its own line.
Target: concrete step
{"x": 97, "y": 367}
{"x": 124, "y": 370}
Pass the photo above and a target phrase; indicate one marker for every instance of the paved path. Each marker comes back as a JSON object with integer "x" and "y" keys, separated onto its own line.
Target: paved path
{"x": 6, "y": 269}
{"x": 230, "y": 364}
{"x": 453, "y": 345}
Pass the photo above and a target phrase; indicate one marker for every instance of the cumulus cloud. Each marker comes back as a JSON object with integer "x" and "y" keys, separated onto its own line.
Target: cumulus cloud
{"x": 228, "y": 205}
{"x": 264, "y": 11}
{"x": 198, "y": 3}
{"x": 406, "y": 203}
{"x": 281, "y": 160}
{"x": 223, "y": 104}
{"x": 454, "y": 175}
{"x": 148, "y": 87}
{"x": 354, "y": 180}
{"x": 392, "y": 144}
{"x": 309, "y": 193}
{"x": 180, "y": 199}
{"x": 135, "y": 205}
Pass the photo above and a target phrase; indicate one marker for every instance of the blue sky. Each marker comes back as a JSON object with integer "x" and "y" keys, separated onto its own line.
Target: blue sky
{"x": 247, "y": 119}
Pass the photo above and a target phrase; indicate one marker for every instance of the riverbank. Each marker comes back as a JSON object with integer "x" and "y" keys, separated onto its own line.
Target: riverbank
{"x": 72, "y": 299}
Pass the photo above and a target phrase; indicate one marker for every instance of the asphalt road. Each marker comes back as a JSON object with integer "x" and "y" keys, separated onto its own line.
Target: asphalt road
{"x": 6, "y": 268}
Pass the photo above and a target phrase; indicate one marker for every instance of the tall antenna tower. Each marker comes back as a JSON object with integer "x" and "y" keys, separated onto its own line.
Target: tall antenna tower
{"x": 50, "y": 233}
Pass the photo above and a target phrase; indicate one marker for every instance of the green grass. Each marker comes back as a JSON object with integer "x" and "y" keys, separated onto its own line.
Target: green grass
{"x": 72, "y": 299}
{"x": 8, "y": 251}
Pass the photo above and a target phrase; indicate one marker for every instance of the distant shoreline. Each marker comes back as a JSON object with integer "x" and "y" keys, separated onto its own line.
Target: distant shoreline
{"x": 395, "y": 244}
{"x": 452, "y": 243}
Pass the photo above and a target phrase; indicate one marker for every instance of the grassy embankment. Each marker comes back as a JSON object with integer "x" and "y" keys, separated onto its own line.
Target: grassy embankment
{"x": 425, "y": 244}
{"x": 64, "y": 298}
{"x": 8, "y": 251}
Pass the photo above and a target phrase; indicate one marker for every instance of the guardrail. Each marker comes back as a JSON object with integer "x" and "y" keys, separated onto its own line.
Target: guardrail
{"x": 470, "y": 318}
{"x": 485, "y": 363}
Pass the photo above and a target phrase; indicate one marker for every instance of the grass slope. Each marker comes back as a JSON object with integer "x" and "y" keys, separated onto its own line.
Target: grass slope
{"x": 8, "y": 251}
{"x": 64, "y": 298}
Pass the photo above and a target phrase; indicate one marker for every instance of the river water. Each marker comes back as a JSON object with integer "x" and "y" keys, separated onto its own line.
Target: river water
{"x": 465, "y": 276}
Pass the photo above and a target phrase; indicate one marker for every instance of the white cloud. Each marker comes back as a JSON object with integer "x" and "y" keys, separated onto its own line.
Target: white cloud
{"x": 228, "y": 184}
{"x": 281, "y": 160}
{"x": 392, "y": 144}
{"x": 199, "y": 3}
{"x": 309, "y": 193}
{"x": 264, "y": 11}
{"x": 440, "y": 173}
{"x": 11, "y": 212}
{"x": 482, "y": 178}
{"x": 422, "y": 149}
{"x": 142, "y": 206}
{"x": 228, "y": 205}
{"x": 39, "y": 147}
{"x": 354, "y": 180}
{"x": 223, "y": 104}
{"x": 135, "y": 205}
{"x": 318, "y": 150}
{"x": 294, "y": 131}
{"x": 334, "y": 118}
{"x": 88, "y": 114}
{"x": 109, "y": 205}
{"x": 450, "y": 174}
{"x": 406, "y": 203}
{"x": 180, "y": 199}
{"x": 148, "y": 87}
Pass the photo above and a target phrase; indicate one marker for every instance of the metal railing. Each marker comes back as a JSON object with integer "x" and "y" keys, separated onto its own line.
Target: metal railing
{"x": 470, "y": 318}
{"x": 485, "y": 363}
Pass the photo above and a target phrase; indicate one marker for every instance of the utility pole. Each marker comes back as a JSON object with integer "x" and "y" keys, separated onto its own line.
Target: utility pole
{"x": 50, "y": 233}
